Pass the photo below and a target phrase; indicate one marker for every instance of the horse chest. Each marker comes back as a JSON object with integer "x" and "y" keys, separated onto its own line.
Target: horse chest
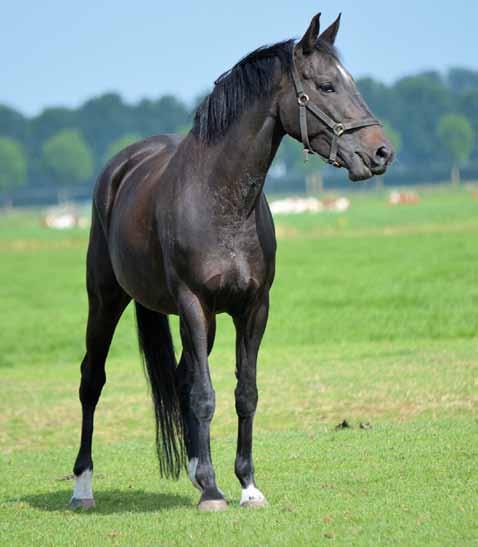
{"x": 231, "y": 273}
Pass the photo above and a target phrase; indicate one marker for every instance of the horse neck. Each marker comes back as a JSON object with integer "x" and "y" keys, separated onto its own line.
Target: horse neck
{"x": 237, "y": 166}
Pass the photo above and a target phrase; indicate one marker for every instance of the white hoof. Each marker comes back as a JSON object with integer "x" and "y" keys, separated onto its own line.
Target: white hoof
{"x": 85, "y": 504}
{"x": 252, "y": 497}
{"x": 83, "y": 492}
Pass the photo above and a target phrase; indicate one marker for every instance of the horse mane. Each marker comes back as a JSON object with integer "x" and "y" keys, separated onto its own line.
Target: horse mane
{"x": 236, "y": 89}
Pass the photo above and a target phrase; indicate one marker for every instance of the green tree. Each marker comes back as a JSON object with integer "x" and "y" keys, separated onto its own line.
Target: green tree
{"x": 312, "y": 171}
{"x": 396, "y": 140}
{"x": 456, "y": 134}
{"x": 393, "y": 136}
{"x": 419, "y": 102}
{"x": 13, "y": 165}
{"x": 67, "y": 157}
{"x": 468, "y": 107}
{"x": 104, "y": 119}
{"x": 462, "y": 80}
{"x": 172, "y": 112}
{"x": 13, "y": 124}
{"x": 49, "y": 122}
{"x": 165, "y": 115}
{"x": 377, "y": 95}
{"x": 288, "y": 155}
{"x": 119, "y": 144}
{"x": 291, "y": 157}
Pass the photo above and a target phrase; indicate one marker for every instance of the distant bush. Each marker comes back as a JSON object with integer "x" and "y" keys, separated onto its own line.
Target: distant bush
{"x": 67, "y": 158}
{"x": 13, "y": 164}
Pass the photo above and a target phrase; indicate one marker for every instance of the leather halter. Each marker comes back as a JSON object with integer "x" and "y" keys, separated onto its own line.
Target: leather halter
{"x": 338, "y": 128}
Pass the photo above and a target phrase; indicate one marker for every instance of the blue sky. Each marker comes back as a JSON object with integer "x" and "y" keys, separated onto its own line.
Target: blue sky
{"x": 61, "y": 52}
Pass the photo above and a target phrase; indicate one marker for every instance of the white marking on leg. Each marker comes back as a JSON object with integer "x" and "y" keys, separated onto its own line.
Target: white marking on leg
{"x": 83, "y": 486}
{"x": 193, "y": 465}
{"x": 251, "y": 493}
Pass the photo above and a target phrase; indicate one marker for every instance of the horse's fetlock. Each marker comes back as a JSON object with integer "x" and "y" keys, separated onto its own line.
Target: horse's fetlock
{"x": 244, "y": 470}
{"x": 204, "y": 476}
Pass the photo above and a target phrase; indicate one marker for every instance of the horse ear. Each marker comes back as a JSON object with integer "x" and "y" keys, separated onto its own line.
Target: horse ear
{"x": 309, "y": 40}
{"x": 330, "y": 34}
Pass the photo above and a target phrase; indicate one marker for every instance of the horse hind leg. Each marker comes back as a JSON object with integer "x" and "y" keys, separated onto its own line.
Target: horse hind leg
{"x": 196, "y": 322}
{"x": 107, "y": 302}
{"x": 184, "y": 379}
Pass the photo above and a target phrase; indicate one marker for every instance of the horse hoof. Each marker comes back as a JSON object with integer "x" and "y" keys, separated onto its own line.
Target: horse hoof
{"x": 210, "y": 506}
{"x": 86, "y": 503}
{"x": 255, "y": 504}
{"x": 253, "y": 498}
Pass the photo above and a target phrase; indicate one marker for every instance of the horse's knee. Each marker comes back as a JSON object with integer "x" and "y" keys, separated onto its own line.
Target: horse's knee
{"x": 246, "y": 400}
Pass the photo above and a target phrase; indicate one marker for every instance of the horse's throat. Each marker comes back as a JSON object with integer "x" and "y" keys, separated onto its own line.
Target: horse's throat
{"x": 247, "y": 159}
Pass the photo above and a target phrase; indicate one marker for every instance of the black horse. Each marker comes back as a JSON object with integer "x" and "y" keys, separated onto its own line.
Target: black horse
{"x": 182, "y": 226}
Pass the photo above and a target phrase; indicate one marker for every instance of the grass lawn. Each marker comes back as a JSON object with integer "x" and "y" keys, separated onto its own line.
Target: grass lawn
{"x": 374, "y": 319}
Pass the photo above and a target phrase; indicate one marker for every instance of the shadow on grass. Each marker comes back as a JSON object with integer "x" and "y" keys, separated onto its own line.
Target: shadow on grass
{"x": 111, "y": 501}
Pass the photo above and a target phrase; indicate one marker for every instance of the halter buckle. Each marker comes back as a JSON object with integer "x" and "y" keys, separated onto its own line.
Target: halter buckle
{"x": 303, "y": 99}
{"x": 339, "y": 129}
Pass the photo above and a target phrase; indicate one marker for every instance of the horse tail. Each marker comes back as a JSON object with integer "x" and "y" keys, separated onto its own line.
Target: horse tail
{"x": 159, "y": 361}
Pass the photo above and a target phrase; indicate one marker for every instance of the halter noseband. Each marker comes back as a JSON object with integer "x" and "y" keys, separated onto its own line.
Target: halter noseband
{"x": 338, "y": 128}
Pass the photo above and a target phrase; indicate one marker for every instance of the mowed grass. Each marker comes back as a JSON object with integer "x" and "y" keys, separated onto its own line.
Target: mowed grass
{"x": 374, "y": 319}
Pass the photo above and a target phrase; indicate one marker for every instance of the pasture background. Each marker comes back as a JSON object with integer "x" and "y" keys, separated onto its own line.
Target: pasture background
{"x": 374, "y": 318}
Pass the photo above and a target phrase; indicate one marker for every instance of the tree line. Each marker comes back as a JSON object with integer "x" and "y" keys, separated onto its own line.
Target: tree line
{"x": 431, "y": 118}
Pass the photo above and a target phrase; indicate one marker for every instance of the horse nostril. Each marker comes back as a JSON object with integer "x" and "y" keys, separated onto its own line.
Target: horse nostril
{"x": 382, "y": 154}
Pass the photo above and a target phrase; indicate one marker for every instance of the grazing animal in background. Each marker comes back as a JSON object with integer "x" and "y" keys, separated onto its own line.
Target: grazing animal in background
{"x": 182, "y": 226}
{"x": 403, "y": 198}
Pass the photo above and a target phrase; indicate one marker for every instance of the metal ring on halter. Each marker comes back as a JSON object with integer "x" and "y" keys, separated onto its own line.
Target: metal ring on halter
{"x": 339, "y": 129}
{"x": 303, "y": 99}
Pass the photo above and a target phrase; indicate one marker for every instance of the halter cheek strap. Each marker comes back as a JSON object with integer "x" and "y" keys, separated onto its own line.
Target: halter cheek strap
{"x": 338, "y": 128}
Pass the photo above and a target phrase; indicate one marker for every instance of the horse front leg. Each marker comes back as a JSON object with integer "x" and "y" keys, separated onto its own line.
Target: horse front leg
{"x": 198, "y": 411}
{"x": 250, "y": 327}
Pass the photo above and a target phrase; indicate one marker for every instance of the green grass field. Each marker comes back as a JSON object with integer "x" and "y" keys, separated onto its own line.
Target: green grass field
{"x": 374, "y": 318}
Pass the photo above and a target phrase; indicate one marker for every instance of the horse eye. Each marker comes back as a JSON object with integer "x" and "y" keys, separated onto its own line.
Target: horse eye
{"x": 327, "y": 87}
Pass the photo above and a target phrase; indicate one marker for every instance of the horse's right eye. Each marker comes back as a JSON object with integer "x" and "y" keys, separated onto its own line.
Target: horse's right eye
{"x": 327, "y": 87}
